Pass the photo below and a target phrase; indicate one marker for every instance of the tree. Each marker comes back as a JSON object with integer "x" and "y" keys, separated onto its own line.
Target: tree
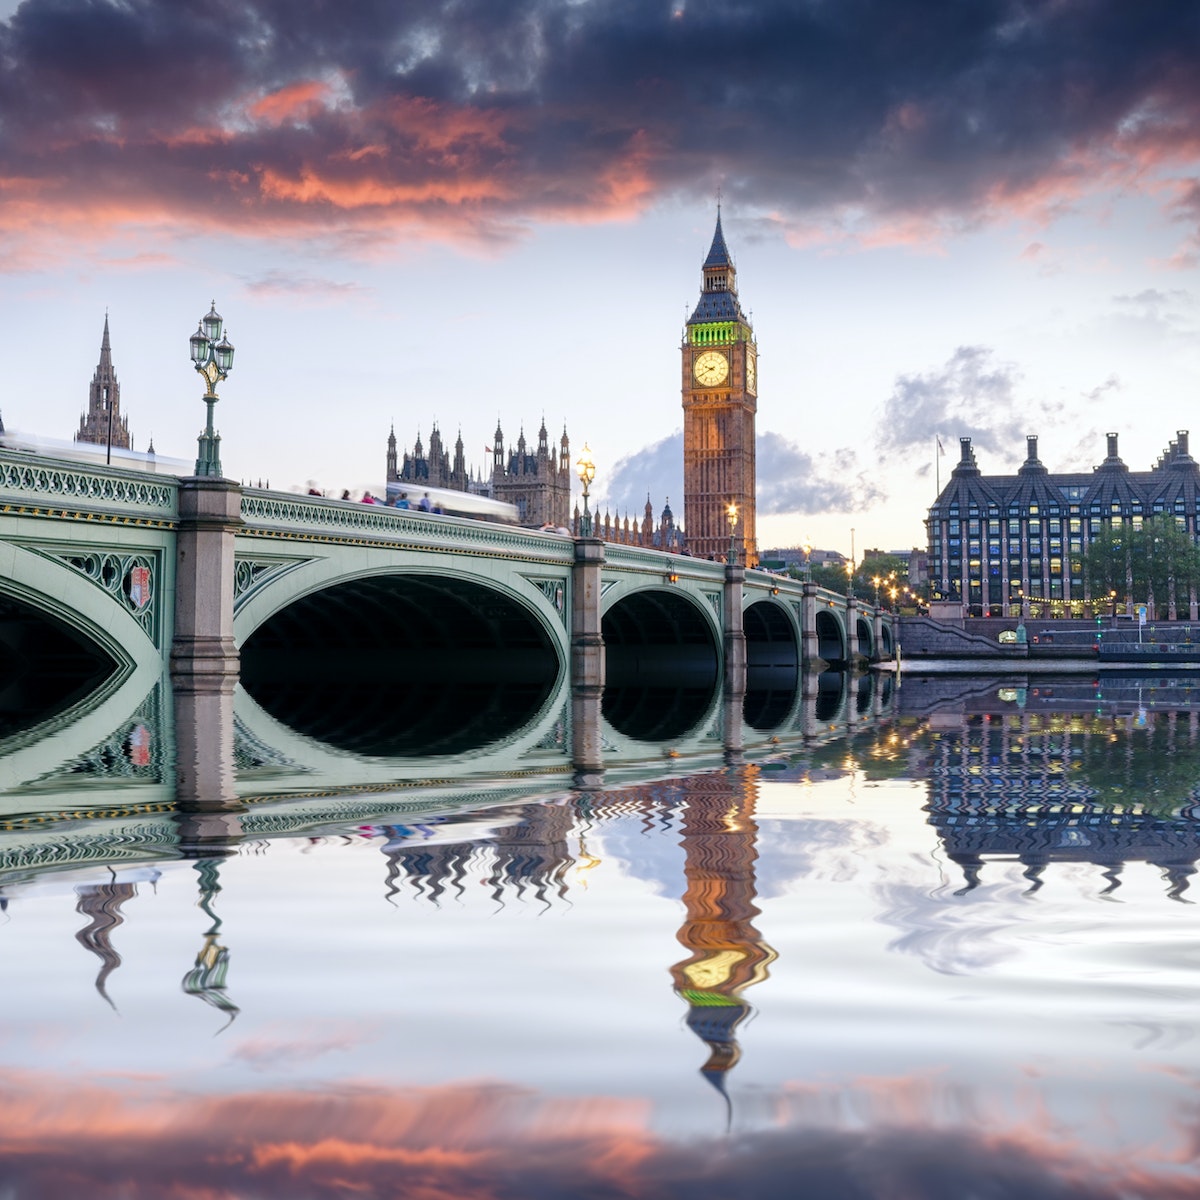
{"x": 1158, "y": 564}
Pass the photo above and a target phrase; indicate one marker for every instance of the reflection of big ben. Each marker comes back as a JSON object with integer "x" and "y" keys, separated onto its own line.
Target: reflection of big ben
{"x": 728, "y": 955}
{"x": 720, "y": 399}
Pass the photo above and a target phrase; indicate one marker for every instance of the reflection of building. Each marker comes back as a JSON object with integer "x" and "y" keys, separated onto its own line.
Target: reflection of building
{"x": 103, "y": 421}
{"x": 102, "y": 903}
{"x": 993, "y": 538}
{"x": 1046, "y": 787}
{"x": 727, "y": 954}
{"x": 529, "y": 856}
{"x": 720, "y": 399}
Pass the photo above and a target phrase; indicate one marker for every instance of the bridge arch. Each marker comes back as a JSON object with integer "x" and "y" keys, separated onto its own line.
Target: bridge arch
{"x": 831, "y": 636}
{"x": 66, "y": 595}
{"x": 662, "y": 662}
{"x": 391, "y": 662}
{"x": 772, "y": 663}
{"x": 865, "y": 636}
{"x": 544, "y": 600}
{"x": 887, "y": 648}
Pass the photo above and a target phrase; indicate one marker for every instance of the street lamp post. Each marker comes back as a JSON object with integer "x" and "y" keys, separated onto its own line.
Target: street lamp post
{"x": 212, "y": 356}
{"x": 807, "y": 560}
{"x": 586, "y": 470}
{"x": 850, "y": 579}
{"x": 731, "y": 514}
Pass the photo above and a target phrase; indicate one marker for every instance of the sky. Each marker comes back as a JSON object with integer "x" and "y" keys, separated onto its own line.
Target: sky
{"x": 949, "y": 218}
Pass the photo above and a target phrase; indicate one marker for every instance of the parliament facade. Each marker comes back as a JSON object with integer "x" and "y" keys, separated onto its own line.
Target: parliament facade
{"x": 719, "y": 361}
{"x": 1004, "y": 543}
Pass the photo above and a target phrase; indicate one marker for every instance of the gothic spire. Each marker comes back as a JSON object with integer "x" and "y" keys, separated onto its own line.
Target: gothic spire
{"x": 718, "y": 254}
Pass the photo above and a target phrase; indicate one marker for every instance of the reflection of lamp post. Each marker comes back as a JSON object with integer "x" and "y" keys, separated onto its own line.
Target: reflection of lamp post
{"x": 586, "y": 470}
{"x": 213, "y": 357}
{"x": 731, "y": 515}
{"x": 807, "y": 561}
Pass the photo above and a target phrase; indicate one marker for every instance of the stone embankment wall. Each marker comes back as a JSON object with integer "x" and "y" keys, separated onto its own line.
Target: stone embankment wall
{"x": 921, "y": 637}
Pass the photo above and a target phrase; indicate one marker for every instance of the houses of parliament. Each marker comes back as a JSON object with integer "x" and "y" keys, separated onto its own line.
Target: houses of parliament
{"x": 719, "y": 360}
{"x": 720, "y": 401}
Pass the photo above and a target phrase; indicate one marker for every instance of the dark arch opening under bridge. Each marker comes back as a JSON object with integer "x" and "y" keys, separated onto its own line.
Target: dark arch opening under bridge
{"x": 661, "y": 665}
{"x": 46, "y": 666}
{"x": 400, "y": 665}
{"x": 772, "y": 665}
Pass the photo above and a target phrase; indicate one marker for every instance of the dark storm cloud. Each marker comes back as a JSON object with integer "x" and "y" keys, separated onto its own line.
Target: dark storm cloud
{"x": 789, "y": 479}
{"x": 889, "y": 119}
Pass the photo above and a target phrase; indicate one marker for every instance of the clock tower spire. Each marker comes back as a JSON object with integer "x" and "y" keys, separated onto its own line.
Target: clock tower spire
{"x": 720, "y": 400}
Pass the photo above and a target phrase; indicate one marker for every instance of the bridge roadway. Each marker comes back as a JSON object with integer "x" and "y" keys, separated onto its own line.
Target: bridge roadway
{"x": 294, "y": 592}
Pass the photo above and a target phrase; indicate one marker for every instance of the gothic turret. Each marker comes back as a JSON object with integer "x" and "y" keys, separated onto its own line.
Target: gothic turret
{"x": 102, "y": 424}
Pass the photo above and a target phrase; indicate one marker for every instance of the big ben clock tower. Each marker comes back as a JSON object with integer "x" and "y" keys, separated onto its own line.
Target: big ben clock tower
{"x": 720, "y": 398}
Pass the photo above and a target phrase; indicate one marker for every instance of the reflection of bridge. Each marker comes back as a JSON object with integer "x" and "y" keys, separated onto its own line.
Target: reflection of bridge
{"x": 142, "y": 569}
{"x": 132, "y": 756}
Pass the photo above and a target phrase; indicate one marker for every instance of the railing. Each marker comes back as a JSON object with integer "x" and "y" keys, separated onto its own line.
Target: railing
{"x": 319, "y": 519}
{"x": 31, "y": 480}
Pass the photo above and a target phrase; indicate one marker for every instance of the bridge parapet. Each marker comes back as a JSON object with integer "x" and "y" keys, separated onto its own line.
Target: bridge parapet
{"x": 65, "y": 490}
{"x": 271, "y": 514}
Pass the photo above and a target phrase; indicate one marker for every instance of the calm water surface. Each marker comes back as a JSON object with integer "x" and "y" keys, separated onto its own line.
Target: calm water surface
{"x": 937, "y": 941}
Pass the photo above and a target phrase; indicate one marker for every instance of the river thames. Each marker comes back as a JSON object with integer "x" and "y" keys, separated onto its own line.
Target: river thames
{"x": 929, "y": 940}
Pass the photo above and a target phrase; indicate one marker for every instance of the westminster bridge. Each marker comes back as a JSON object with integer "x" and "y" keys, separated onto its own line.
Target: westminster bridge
{"x": 141, "y": 570}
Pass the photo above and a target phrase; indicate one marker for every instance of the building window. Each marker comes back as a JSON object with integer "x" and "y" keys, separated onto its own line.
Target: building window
{"x": 1014, "y": 529}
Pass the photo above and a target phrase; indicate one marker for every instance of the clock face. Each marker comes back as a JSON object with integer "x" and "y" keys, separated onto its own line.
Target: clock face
{"x": 751, "y": 373}
{"x": 711, "y": 368}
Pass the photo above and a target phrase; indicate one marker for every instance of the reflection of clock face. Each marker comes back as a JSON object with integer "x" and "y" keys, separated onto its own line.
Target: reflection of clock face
{"x": 751, "y": 374}
{"x": 711, "y": 368}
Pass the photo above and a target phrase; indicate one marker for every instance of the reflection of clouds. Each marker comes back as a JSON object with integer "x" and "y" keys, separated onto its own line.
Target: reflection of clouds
{"x": 283, "y": 1051}
{"x": 947, "y": 935}
{"x": 814, "y": 848}
{"x": 881, "y": 1138}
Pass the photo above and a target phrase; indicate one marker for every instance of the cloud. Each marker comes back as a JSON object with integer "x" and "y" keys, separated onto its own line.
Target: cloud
{"x": 280, "y": 1052}
{"x": 972, "y": 395}
{"x": 871, "y": 121}
{"x": 104, "y": 1140}
{"x": 277, "y": 282}
{"x": 790, "y": 480}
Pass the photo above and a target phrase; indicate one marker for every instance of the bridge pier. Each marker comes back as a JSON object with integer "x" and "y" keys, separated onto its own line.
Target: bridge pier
{"x": 587, "y": 662}
{"x": 851, "y": 631}
{"x": 810, "y": 644}
{"x": 735, "y": 662}
{"x": 204, "y": 770}
{"x": 587, "y": 638}
{"x": 203, "y": 651}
